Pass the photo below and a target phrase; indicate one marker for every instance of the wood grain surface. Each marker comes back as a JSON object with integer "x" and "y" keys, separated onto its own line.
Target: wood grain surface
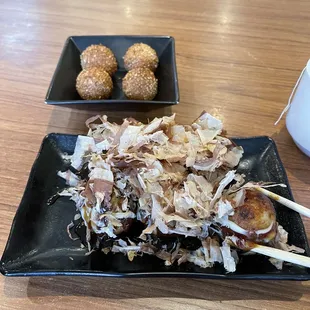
{"x": 237, "y": 59}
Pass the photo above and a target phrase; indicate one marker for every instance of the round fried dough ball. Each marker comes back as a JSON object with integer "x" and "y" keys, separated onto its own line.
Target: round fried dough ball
{"x": 257, "y": 214}
{"x": 99, "y": 56}
{"x": 140, "y": 84}
{"x": 140, "y": 55}
{"x": 94, "y": 84}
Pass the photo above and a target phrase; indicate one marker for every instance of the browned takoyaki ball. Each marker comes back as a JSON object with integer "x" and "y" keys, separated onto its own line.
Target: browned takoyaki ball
{"x": 256, "y": 215}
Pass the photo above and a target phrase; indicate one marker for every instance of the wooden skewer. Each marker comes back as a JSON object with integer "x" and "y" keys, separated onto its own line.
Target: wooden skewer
{"x": 286, "y": 202}
{"x": 270, "y": 252}
{"x": 282, "y": 255}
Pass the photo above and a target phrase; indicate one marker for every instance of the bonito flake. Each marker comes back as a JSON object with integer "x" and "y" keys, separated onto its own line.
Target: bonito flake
{"x": 173, "y": 179}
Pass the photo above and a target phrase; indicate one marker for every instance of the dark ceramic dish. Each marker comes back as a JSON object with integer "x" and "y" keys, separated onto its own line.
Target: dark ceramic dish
{"x": 62, "y": 87}
{"x": 39, "y": 245}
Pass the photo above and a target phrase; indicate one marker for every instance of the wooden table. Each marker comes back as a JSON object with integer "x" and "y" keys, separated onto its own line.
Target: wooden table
{"x": 237, "y": 59}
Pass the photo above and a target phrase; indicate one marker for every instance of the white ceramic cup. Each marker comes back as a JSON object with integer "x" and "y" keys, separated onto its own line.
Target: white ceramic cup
{"x": 298, "y": 116}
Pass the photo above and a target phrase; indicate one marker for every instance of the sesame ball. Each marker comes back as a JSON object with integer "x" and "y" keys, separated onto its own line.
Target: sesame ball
{"x": 94, "y": 84}
{"x": 99, "y": 56}
{"x": 141, "y": 55}
{"x": 140, "y": 84}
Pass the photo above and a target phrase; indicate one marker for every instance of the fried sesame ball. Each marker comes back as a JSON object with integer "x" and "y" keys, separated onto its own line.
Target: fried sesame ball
{"x": 94, "y": 84}
{"x": 140, "y": 55}
{"x": 140, "y": 84}
{"x": 99, "y": 56}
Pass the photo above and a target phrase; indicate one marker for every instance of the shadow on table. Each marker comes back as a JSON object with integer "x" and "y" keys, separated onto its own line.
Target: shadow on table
{"x": 113, "y": 288}
{"x": 71, "y": 119}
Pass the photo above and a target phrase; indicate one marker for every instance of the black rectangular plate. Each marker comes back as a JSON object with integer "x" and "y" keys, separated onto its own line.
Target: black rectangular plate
{"x": 39, "y": 244}
{"x": 62, "y": 87}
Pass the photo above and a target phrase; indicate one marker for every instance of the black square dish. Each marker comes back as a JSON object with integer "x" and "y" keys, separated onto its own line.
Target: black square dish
{"x": 39, "y": 244}
{"x": 62, "y": 87}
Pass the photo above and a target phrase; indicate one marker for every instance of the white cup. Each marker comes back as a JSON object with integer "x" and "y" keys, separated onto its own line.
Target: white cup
{"x": 298, "y": 116}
